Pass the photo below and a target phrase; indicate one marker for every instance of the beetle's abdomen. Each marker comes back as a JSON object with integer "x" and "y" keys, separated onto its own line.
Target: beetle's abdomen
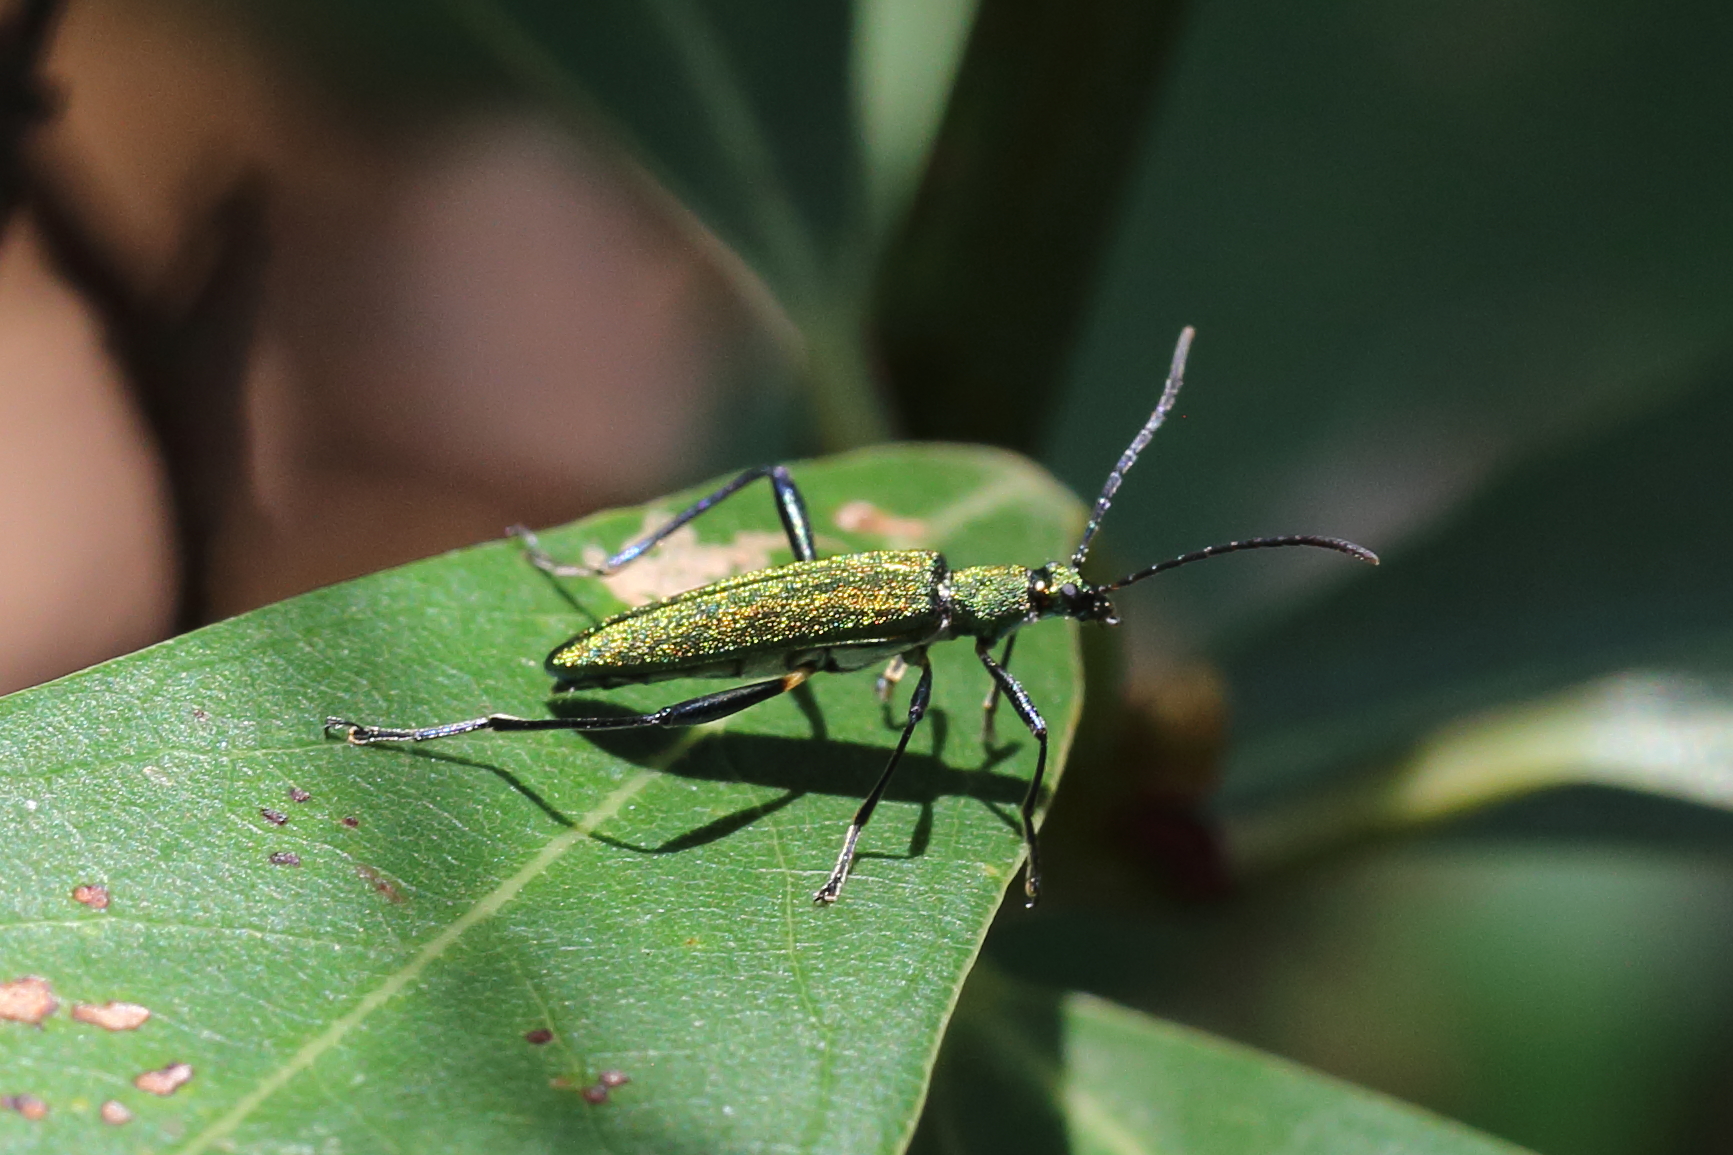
{"x": 840, "y": 613}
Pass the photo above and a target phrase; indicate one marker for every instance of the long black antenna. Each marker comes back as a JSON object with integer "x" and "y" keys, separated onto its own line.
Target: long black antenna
{"x": 1335, "y": 543}
{"x": 1169, "y": 394}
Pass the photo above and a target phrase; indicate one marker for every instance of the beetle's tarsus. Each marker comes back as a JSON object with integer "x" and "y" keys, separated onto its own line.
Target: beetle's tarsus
{"x": 542, "y": 560}
{"x": 348, "y": 731}
{"x": 1031, "y": 888}
{"x": 358, "y": 735}
{"x": 354, "y": 733}
{"x": 832, "y": 887}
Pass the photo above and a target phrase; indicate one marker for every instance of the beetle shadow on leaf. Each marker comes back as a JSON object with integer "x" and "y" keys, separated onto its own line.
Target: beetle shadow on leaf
{"x": 517, "y": 784}
{"x": 593, "y": 617}
{"x": 795, "y": 766}
{"x": 710, "y": 831}
{"x": 919, "y": 838}
{"x": 809, "y": 709}
{"x": 798, "y": 767}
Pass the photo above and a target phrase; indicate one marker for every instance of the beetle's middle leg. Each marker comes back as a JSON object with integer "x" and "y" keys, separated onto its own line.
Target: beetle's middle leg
{"x": 991, "y": 706}
{"x": 790, "y": 507}
{"x": 692, "y": 712}
{"x": 1037, "y": 726}
{"x": 917, "y": 708}
{"x": 893, "y": 673}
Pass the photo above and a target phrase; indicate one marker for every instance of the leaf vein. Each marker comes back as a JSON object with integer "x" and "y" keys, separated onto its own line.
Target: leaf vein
{"x": 489, "y": 905}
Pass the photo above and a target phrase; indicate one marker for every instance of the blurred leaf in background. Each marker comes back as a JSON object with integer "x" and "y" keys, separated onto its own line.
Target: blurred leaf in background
{"x": 1031, "y": 1070}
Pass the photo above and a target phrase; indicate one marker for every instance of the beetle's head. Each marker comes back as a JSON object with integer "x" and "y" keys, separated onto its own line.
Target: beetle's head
{"x": 1058, "y": 590}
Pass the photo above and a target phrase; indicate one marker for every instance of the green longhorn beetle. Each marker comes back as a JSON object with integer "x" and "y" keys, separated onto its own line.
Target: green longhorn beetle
{"x": 788, "y": 622}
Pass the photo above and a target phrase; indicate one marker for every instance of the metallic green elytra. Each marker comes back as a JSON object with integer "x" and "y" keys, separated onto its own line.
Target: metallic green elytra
{"x": 785, "y": 623}
{"x": 836, "y": 614}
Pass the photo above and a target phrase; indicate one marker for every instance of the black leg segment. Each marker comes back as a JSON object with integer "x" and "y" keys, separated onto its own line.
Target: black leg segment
{"x": 917, "y": 709}
{"x": 693, "y": 712}
{"x": 990, "y": 707}
{"x": 1031, "y": 718}
{"x": 790, "y": 507}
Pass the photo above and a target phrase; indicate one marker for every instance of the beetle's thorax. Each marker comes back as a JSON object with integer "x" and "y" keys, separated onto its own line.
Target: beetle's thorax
{"x": 989, "y": 601}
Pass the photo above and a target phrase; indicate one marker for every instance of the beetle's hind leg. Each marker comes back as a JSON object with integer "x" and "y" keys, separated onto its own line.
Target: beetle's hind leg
{"x": 790, "y": 507}
{"x": 917, "y": 709}
{"x": 692, "y": 712}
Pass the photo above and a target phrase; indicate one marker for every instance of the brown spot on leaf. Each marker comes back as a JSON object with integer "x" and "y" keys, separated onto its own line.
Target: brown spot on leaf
{"x": 115, "y": 1114}
{"x": 682, "y": 562}
{"x": 285, "y": 858}
{"x": 95, "y": 897}
{"x": 351, "y": 822}
{"x": 28, "y": 1106}
{"x": 296, "y": 794}
{"x": 111, "y": 1016}
{"x": 865, "y": 517}
{"x": 27, "y": 1000}
{"x": 596, "y": 1094}
{"x": 274, "y": 817}
{"x": 612, "y": 1079}
{"x": 538, "y": 1037}
{"x": 379, "y": 883}
{"x": 201, "y": 715}
{"x": 165, "y": 1080}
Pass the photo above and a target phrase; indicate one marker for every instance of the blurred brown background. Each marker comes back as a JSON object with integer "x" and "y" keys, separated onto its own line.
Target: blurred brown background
{"x": 376, "y": 333}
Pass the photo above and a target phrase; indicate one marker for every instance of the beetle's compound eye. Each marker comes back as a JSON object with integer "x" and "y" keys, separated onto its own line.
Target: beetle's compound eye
{"x": 1068, "y": 591}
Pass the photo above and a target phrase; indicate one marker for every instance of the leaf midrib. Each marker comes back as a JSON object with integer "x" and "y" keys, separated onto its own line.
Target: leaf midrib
{"x": 489, "y": 905}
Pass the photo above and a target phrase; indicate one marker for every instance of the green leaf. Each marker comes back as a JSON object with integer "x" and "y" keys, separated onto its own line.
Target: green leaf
{"x": 1575, "y": 629}
{"x": 1031, "y": 1070}
{"x": 904, "y": 61}
{"x": 1664, "y": 734}
{"x": 649, "y": 903}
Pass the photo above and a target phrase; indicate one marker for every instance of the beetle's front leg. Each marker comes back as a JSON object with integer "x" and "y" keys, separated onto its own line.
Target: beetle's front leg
{"x": 1037, "y": 726}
